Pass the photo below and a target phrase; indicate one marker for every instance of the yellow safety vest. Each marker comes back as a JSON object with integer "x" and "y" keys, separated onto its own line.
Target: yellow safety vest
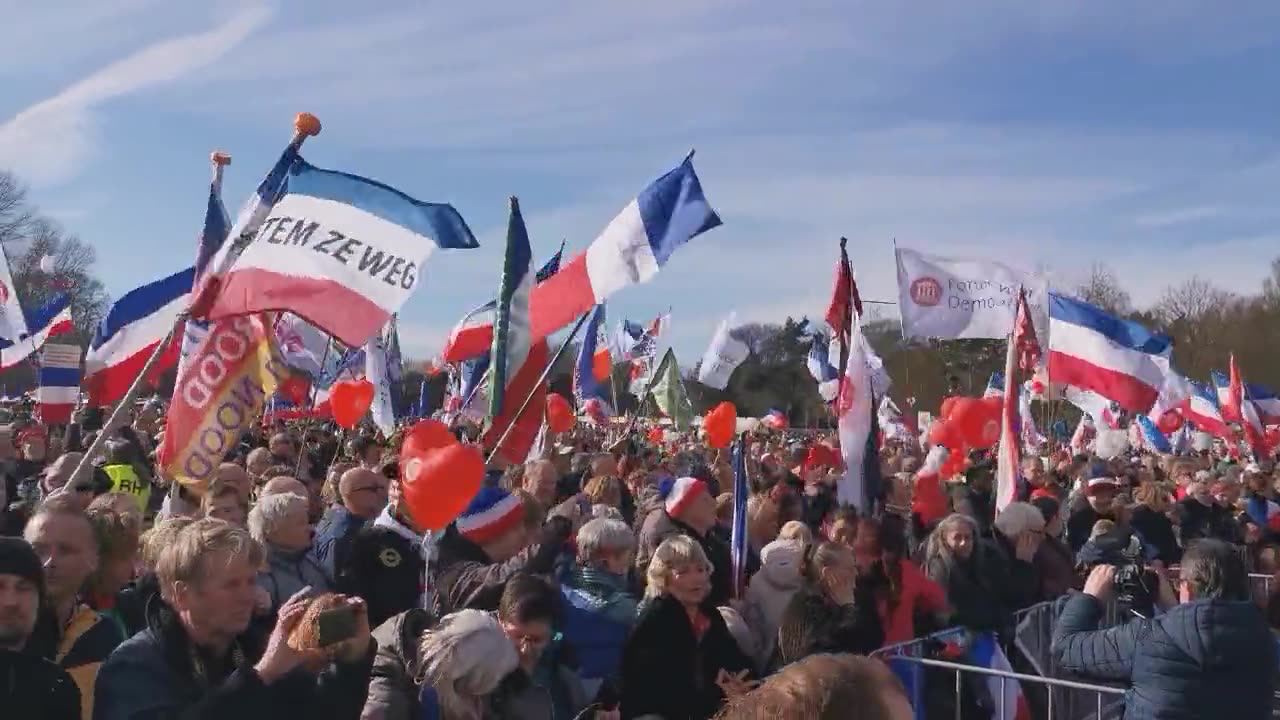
{"x": 124, "y": 479}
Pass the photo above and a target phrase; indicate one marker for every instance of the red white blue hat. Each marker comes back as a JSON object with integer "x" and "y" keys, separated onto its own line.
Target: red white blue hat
{"x": 683, "y": 493}
{"x": 493, "y": 512}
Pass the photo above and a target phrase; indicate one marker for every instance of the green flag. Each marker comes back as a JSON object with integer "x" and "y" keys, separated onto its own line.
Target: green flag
{"x": 668, "y": 392}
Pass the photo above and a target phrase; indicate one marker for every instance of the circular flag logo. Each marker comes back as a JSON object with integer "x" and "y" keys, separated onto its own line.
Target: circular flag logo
{"x": 4, "y": 293}
{"x": 926, "y": 291}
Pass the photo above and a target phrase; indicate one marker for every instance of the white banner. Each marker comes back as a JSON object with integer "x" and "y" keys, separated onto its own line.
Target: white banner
{"x": 723, "y": 356}
{"x": 951, "y": 298}
{"x": 60, "y": 355}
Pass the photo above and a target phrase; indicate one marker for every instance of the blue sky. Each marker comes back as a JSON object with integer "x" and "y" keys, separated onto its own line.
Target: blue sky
{"x": 1049, "y": 134}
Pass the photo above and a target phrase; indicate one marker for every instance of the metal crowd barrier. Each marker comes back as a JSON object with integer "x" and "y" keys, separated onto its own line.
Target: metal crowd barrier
{"x": 1260, "y": 584}
{"x": 1047, "y": 697}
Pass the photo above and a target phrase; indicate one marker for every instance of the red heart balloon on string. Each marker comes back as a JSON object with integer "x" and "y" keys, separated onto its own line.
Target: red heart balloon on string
{"x": 349, "y": 401}
{"x": 720, "y": 424}
{"x": 426, "y": 435}
{"x": 438, "y": 484}
{"x": 559, "y": 414}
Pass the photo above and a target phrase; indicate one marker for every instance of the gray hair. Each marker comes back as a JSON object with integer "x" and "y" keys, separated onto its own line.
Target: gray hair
{"x": 464, "y": 658}
{"x": 270, "y": 511}
{"x": 936, "y": 547}
{"x": 604, "y": 535}
{"x": 1017, "y": 518}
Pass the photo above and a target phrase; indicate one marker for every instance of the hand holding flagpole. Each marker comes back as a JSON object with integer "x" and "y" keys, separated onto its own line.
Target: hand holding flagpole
{"x": 305, "y": 125}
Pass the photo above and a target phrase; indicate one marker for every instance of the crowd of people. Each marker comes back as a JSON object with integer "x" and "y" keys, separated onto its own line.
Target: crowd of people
{"x": 597, "y": 580}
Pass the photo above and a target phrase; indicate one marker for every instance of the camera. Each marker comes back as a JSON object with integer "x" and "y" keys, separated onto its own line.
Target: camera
{"x": 1132, "y": 584}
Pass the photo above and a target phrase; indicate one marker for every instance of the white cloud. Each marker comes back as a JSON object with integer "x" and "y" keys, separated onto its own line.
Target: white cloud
{"x": 48, "y": 141}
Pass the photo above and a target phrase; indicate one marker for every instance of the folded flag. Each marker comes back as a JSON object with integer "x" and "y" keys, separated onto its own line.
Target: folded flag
{"x": 49, "y": 320}
{"x": 593, "y": 366}
{"x": 820, "y": 367}
{"x": 384, "y": 369}
{"x": 342, "y": 251}
{"x": 13, "y": 322}
{"x": 59, "y": 389}
{"x": 305, "y": 348}
{"x": 629, "y": 251}
{"x": 723, "y": 356}
{"x": 669, "y": 392}
{"x": 517, "y": 361}
{"x": 212, "y": 237}
{"x": 1152, "y": 438}
{"x": 738, "y": 529}
{"x": 1116, "y": 358}
{"x": 1202, "y": 410}
{"x": 131, "y": 330}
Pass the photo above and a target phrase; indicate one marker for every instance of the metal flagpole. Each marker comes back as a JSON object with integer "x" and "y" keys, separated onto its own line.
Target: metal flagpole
{"x": 305, "y": 125}
{"x": 546, "y": 372}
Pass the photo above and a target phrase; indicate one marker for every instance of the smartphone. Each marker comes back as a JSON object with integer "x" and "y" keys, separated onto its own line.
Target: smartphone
{"x": 336, "y": 625}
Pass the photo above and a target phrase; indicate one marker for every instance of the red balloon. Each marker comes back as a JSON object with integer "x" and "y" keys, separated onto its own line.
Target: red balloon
{"x": 942, "y": 433}
{"x": 426, "y": 435}
{"x": 955, "y": 464}
{"x": 655, "y": 435}
{"x": 438, "y": 484}
{"x": 350, "y": 400}
{"x": 559, "y": 414}
{"x": 976, "y": 421}
{"x": 1170, "y": 422}
{"x": 296, "y": 389}
{"x": 720, "y": 424}
{"x": 927, "y": 499}
{"x": 948, "y": 404}
{"x": 1272, "y": 436}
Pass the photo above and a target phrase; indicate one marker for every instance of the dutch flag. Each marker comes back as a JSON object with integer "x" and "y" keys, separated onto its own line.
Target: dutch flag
{"x": 1116, "y": 358}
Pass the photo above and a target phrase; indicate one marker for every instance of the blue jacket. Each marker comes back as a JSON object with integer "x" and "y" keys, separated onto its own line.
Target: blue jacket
{"x": 334, "y": 533}
{"x": 1203, "y": 659}
{"x": 598, "y": 613}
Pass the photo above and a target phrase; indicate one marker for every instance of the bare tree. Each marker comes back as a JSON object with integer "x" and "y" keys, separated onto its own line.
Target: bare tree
{"x": 16, "y": 214}
{"x": 1192, "y": 313}
{"x": 1105, "y": 291}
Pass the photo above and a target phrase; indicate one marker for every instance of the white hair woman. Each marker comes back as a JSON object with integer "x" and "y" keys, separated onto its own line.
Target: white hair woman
{"x": 461, "y": 662}
{"x": 599, "y": 609}
{"x": 280, "y": 524}
{"x": 677, "y": 627}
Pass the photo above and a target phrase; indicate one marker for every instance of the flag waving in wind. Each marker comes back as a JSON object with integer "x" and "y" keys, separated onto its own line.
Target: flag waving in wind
{"x": 212, "y": 237}
{"x": 593, "y": 365}
{"x": 844, "y": 304}
{"x": 1023, "y": 354}
{"x": 342, "y": 251}
{"x": 472, "y": 337}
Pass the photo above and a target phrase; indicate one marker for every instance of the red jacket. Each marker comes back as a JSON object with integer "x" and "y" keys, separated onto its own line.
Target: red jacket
{"x": 917, "y": 594}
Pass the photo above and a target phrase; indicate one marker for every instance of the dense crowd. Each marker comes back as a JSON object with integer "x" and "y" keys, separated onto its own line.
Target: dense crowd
{"x": 597, "y": 580}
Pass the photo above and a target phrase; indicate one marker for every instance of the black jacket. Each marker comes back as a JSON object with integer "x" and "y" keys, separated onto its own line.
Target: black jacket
{"x": 384, "y": 568}
{"x": 1080, "y": 525}
{"x": 33, "y": 688}
{"x": 1155, "y": 530}
{"x": 1204, "y": 659}
{"x": 668, "y": 672}
{"x": 152, "y": 676}
{"x": 978, "y": 589}
{"x": 812, "y": 624}
{"x": 467, "y": 579}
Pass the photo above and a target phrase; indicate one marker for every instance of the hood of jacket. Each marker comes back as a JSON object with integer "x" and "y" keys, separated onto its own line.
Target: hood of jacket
{"x": 781, "y": 564}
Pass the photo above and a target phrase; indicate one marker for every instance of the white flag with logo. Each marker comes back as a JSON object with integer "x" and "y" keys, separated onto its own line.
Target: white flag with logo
{"x": 723, "y": 356}
{"x": 13, "y": 324}
{"x": 949, "y": 298}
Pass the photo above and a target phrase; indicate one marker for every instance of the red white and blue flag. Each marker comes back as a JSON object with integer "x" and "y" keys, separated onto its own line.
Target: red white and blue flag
{"x": 51, "y": 319}
{"x": 1116, "y": 358}
{"x": 472, "y": 337}
{"x": 1023, "y": 354}
{"x": 1202, "y": 410}
{"x": 132, "y": 329}
{"x": 340, "y": 250}
{"x": 59, "y": 389}
{"x": 594, "y": 366}
{"x": 212, "y": 237}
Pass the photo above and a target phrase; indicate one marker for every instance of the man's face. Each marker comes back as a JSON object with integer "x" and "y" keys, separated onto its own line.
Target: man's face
{"x": 258, "y": 462}
{"x": 1033, "y": 470}
{"x": 282, "y": 446}
{"x": 294, "y": 530}
{"x": 236, "y": 477}
{"x": 19, "y": 599}
{"x": 222, "y": 601}
{"x": 529, "y": 639}
{"x": 227, "y": 508}
{"x": 540, "y": 481}
{"x": 66, "y": 547}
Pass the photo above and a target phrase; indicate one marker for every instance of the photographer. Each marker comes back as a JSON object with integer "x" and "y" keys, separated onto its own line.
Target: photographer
{"x": 1209, "y": 656}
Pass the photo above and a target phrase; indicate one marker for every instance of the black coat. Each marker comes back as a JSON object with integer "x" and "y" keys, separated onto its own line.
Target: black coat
{"x": 466, "y": 579}
{"x": 1080, "y": 525}
{"x": 1156, "y": 532}
{"x": 33, "y": 688}
{"x": 1204, "y": 659}
{"x": 812, "y": 624}
{"x": 152, "y": 676}
{"x": 979, "y": 589}
{"x": 667, "y": 672}
{"x": 384, "y": 568}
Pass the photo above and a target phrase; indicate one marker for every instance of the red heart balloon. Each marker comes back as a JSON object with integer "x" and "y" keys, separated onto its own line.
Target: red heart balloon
{"x": 426, "y": 435}
{"x": 296, "y": 389}
{"x": 720, "y": 424}
{"x": 942, "y": 433}
{"x": 560, "y": 416}
{"x": 1170, "y": 422}
{"x": 437, "y": 485}
{"x": 350, "y": 400}
{"x": 977, "y": 422}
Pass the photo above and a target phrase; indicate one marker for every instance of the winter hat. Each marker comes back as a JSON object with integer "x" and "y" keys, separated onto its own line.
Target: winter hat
{"x": 664, "y": 487}
{"x": 1099, "y": 480}
{"x": 17, "y": 558}
{"x": 783, "y": 554}
{"x": 683, "y": 493}
{"x": 492, "y": 513}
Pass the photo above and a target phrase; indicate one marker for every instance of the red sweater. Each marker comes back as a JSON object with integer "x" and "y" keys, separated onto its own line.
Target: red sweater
{"x": 918, "y": 593}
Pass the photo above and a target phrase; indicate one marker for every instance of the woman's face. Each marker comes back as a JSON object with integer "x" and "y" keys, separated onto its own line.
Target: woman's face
{"x": 690, "y": 584}
{"x": 959, "y": 540}
{"x": 294, "y": 530}
{"x": 844, "y": 533}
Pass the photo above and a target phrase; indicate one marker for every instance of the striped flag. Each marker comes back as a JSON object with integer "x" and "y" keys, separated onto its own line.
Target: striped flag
{"x": 212, "y": 237}
{"x": 472, "y": 337}
{"x": 131, "y": 330}
{"x": 59, "y": 389}
{"x": 995, "y": 386}
{"x": 738, "y": 535}
{"x": 51, "y": 319}
{"x": 517, "y": 360}
{"x": 594, "y": 365}
{"x": 1023, "y": 354}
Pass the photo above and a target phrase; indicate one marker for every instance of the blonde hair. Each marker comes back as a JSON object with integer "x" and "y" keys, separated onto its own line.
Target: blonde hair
{"x": 160, "y": 536}
{"x": 820, "y": 687}
{"x": 675, "y": 553}
{"x": 186, "y": 558}
{"x": 936, "y": 546}
{"x": 464, "y": 658}
{"x": 604, "y": 490}
{"x": 1100, "y": 528}
{"x": 796, "y": 530}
